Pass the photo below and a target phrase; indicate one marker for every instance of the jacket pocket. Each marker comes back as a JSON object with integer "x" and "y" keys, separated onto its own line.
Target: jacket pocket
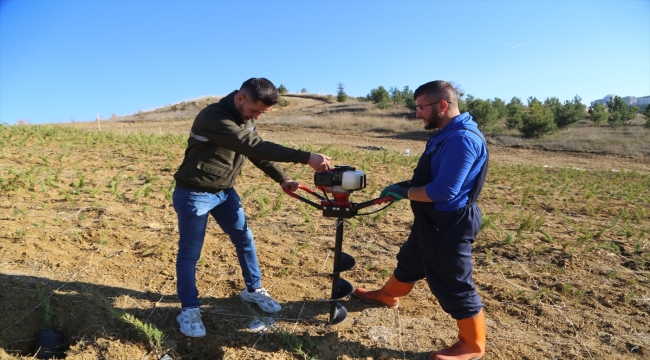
{"x": 214, "y": 169}
{"x": 210, "y": 175}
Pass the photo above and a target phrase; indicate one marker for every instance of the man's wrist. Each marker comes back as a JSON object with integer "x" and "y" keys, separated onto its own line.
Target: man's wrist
{"x": 404, "y": 184}
{"x": 404, "y": 192}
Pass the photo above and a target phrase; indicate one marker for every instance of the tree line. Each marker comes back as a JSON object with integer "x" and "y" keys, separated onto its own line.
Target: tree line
{"x": 539, "y": 118}
{"x": 533, "y": 119}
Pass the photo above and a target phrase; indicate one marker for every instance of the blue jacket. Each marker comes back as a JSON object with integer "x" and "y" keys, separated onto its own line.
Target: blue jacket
{"x": 456, "y": 163}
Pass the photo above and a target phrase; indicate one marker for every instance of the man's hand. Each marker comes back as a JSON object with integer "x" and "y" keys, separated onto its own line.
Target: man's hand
{"x": 319, "y": 162}
{"x": 289, "y": 184}
{"x": 396, "y": 191}
{"x": 395, "y": 187}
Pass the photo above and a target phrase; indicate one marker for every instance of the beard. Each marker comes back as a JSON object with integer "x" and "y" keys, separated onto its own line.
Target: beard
{"x": 433, "y": 122}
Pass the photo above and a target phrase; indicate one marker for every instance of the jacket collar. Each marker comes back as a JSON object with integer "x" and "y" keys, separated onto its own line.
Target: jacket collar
{"x": 228, "y": 104}
{"x": 456, "y": 122}
{"x": 464, "y": 119}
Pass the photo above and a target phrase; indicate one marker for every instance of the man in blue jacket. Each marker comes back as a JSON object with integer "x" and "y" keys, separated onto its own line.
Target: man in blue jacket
{"x": 222, "y": 137}
{"x": 443, "y": 191}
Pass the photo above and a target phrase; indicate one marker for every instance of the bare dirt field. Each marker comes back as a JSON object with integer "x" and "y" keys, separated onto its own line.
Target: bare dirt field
{"x": 90, "y": 223}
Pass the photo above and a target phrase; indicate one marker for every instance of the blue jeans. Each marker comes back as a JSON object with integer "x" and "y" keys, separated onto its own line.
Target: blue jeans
{"x": 192, "y": 209}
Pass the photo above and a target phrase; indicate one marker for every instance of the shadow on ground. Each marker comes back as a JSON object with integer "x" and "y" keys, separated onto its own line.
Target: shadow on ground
{"x": 82, "y": 311}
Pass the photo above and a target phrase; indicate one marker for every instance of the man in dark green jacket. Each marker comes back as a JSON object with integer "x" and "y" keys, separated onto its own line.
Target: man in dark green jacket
{"x": 222, "y": 137}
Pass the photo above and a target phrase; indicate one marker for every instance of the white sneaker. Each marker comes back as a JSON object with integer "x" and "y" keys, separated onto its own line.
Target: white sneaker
{"x": 262, "y": 298}
{"x": 190, "y": 321}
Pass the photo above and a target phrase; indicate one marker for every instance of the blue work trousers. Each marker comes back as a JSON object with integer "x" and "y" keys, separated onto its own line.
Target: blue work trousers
{"x": 192, "y": 209}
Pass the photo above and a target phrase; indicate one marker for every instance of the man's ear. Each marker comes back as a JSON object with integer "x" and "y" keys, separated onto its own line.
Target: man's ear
{"x": 444, "y": 105}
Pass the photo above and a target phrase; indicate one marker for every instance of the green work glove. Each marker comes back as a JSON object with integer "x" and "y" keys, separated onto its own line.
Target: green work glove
{"x": 395, "y": 191}
{"x": 404, "y": 184}
{"x": 395, "y": 187}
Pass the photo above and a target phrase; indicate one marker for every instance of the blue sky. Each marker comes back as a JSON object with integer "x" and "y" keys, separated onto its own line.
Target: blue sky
{"x": 70, "y": 60}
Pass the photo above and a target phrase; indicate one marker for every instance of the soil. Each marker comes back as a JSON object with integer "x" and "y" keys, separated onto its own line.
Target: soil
{"x": 99, "y": 254}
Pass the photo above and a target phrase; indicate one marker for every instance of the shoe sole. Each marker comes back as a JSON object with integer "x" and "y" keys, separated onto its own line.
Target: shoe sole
{"x": 432, "y": 356}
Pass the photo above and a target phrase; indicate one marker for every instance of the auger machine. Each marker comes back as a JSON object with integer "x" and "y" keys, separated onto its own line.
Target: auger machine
{"x": 340, "y": 182}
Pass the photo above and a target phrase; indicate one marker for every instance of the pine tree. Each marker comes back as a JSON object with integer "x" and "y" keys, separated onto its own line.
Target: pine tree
{"x": 380, "y": 97}
{"x": 341, "y": 96}
{"x": 598, "y": 114}
{"x": 538, "y": 121}
{"x": 619, "y": 112}
{"x": 514, "y": 110}
{"x": 482, "y": 111}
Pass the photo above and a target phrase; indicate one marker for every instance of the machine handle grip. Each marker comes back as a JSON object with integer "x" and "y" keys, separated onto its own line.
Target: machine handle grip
{"x": 310, "y": 191}
{"x": 377, "y": 201}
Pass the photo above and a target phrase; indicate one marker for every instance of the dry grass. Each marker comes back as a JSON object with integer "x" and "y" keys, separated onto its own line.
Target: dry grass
{"x": 312, "y": 111}
{"x": 632, "y": 140}
{"x": 364, "y": 122}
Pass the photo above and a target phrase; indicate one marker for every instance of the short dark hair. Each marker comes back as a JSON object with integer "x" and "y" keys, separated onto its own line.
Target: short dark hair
{"x": 439, "y": 89}
{"x": 260, "y": 89}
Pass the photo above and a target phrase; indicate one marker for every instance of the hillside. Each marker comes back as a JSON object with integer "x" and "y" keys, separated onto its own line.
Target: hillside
{"x": 314, "y": 111}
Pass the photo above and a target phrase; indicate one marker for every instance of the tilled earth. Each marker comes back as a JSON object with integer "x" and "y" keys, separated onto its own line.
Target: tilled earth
{"x": 104, "y": 249}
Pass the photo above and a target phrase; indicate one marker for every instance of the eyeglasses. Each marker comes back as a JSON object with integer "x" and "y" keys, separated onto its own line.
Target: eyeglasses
{"x": 421, "y": 107}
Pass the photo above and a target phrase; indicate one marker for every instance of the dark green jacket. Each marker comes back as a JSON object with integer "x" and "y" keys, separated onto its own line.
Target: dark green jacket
{"x": 219, "y": 143}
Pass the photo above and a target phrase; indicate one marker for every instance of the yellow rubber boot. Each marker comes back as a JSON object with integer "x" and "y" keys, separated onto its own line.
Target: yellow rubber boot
{"x": 388, "y": 294}
{"x": 471, "y": 341}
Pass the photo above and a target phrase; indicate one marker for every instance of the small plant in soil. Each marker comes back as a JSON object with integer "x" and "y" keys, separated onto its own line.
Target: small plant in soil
{"x": 48, "y": 341}
{"x": 146, "y": 331}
